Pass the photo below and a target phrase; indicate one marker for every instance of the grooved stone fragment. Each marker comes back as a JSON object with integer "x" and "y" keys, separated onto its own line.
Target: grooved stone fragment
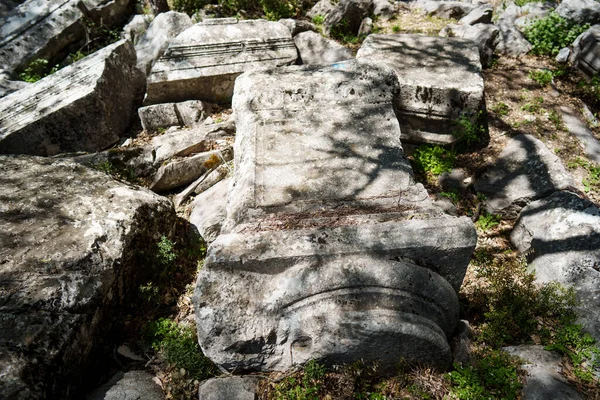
{"x": 203, "y": 61}
{"x": 330, "y": 250}
{"x": 314, "y": 49}
{"x": 525, "y": 171}
{"x": 69, "y": 259}
{"x": 84, "y": 107}
{"x": 38, "y": 29}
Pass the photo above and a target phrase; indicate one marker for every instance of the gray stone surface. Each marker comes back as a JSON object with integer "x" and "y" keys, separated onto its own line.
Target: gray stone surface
{"x": 298, "y": 26}
{"x": 525, "y": 171}
{"x": 561, "y": 235}
{"x": 440, "y": 80}
{"x": 132, "y": 385}
{"x": 187, "y": 113}
{"x": 579, "y": 11}
{"x": 484, "y": 35}
{"x": 186, "y": 170}
{"x": 543, "y": 381}
{"x": 511, "y": 42}
{"x": 163, "y": 29}
{"x": 322, "y": 8}
{"x": 69, "y": 244}
{"x": 479, "y": 15}
{"x": 203, "y": 61}
{"x": 346, "y": 16}
{"x": 587, "y": 54}
{"x": 384, "y": 9}
{"x": 447, "y": 9}
{"x": 581, "y": 41}
{"x": 579, "y": 129}
{"x": 334, "y": 251}
{"x": 230, "y": 388}
{"x": 208, "y": 210}
{"x": 111, "y": 13}
{"x": 314, "y": 49}
{"x": 136, "y": 28}
{"x": 84, "y": 107}
{"x": 8, "y": 86}
{"x": 563, "y": 55}
{"x": 366, "y": 26}
{"x": 38, "y": 29}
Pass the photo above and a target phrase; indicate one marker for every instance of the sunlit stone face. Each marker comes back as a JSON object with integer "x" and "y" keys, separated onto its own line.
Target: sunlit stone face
{"x": 330, "y": 250}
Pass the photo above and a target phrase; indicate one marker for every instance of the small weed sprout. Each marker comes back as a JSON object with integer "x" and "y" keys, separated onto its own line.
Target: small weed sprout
{"x": 396, "y": 28}
{"x": 453, "y": 196}
{"x": 434, "y": 159}
{"x": 165, "y": 254}
{"x": 318, "y": 19}
{"x": 36, "y": 70}
{"x": 556, "y": 120}
{"x": 487, "y": 221}
{"x": 501, "y": 109}
{"x": 542, "y": 76}
{"x": 469, "y": 128}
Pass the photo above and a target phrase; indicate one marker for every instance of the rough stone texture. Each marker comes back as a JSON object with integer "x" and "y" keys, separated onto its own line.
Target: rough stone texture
{"x": 187, "y": 113}
{"x": 580, "y": 11}
{"x": 578, "y": 128}
{"x": 181, "y": 172}
{"x": 203, "y": 61}
{"x": 561, "y": 234}
{"x": 8, "y": 86}
{"x": 479, "y": 15}
{"x": 163, "y": 29}
{"x": 462, "y": 344}
{"x": 38, "y": 29}
{"x": 132, "y": 385}
{"x": 298, "y": 26}
{"x": 511, "y": 42}
{"x": 230, "y": 388}
{"x": 563, "y": 55}
{"x": 69, "y": 241}
{"x": 581, "y": 41}
{"x": 334, "y": 251}
{"x": 198, "y": 139}
{"x": 447, "y": 9}
{"x": 543, "y": 381}
{"x": 366, "y": 26}
{"x": 587, "y": 57}
{"x": 112, "y": 13}
{"x": 84, "y": 107}
{"x": 440, "y": 81}
{"x": 136, "y": 28}
{"x": 314, "y": 49}
{"x": 525, "y": 171}
{"x": 384, "y": 9}
{"x": 346, "y": 16}
{"x": 485, "y": 35}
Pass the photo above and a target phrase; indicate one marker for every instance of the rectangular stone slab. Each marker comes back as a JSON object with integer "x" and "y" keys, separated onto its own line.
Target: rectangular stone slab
{"x": 203, "y": 61}
{"x": 310, "y": 137}
{"x": 440, "y": 81}
{"x": 38, "y": 29}
{"x": 84, "y": 107}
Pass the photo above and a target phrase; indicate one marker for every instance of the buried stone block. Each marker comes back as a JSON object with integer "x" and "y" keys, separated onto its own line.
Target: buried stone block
{"x": 329, "y": 249}
{"x": 84, "y": 107}
{"x": 203, "y": 61}
{"x": 440, "y": 81}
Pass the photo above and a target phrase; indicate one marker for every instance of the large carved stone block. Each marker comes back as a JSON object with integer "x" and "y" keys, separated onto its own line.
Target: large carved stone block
{"x": 84, "y": 107}
{"x": 203, "y": 61}
{"x": 330, "y": 250}
{"x": 440, "y": 81}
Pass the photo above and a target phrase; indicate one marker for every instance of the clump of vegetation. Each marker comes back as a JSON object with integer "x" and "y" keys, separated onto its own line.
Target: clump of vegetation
{"x": 318, "y": 19}
{"x": 450, "y": 195}
{"x": 189, "y": 6}
{"x": 541, "y": 76}
{"x": 470, "y": 130}
{"x": 36, "y": 70}
{"x": 434, "y": 159}
{"x": 501, "y": 109}
{"x": 127, "y": 173}
{"x": 556, "y": 120}
{"x": 307, "y": 385}
{"x": 487, "y": 221}
{"x": 550, "y": 34}
{"x": 521, "y": 3}
{"x": 396, "y": 28}
{"x": 272, "y": 9}
{"x": 593, "y": 170}
{"x": 533, "y": 107}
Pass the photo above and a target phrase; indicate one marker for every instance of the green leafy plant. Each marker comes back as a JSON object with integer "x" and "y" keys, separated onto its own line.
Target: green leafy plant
{"x": 36, "y": 70}
{"x": 593, "y": 179}
{"x": 556, "y": 120}
{"x": 450, "y": 195}
{"x": 521, "y": 3}
{"x": 318, "y": 19}
{"x": 470, "y": 128}
{"x": 580, "y": 347}
{"x": 501, "y": 109}
{"x": 165, "y": 254}
{"x": 396, "y": 28}
{"x": 305, "y": 387}
{"x": 550, "y": 34}
{"x": 272, "y": 9}
{"x": 189, "y": 6}
{"x": 433, "y": 158}
{"x": 533, "y": 107}
{"x": 179, "y": 347}
{"x": 541, "y": 76}
{"x": 487, "y": 221}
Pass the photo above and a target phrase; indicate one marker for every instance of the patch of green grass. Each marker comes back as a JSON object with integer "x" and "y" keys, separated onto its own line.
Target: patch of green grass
{"x": 593, "y": 170}
{"x": 521, "y": 3}
{"x": 550, "y": 34}
{"x": 396, "y": 28}
{"x": 434, "y": 159}
{"x": 470, "y": 128}
{"x": 487, "y": 221}
{"x": 501, "y": 109}
{"x": 318, "y": 19}
{"x": 556, "y": 120}
{"x": 450, "y": 195}
{"x": 542, "y": 76}
{"x": 306, "y": 387}
{"x": 533, "y": 107}
{"x": 178, "y": 346}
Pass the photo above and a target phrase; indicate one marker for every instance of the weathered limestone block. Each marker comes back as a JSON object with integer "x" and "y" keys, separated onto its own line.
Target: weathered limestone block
{"x": 440, "y": 81}
{"x": 109, "y": 12}
{"x": 346, "y": 16}
{"x": 203, "y": 61}
{"x": 298, "y": 26}
{"x": 208, "y": 211}
{"x": 69, "y": 250}
{"x": 187, "y": 113}
{"x": 485, "y": 35}
{"x": 579, "y": 11}
{"x": 230, "y": 388}
{"x": 561, "y": 236}
{"x": 38, "y": 29}
{"x": 330, "y": 247}
{"x": 132, "y": 385}
{"x": 164, "y": 28}
{"x": 447, "y": 9}
{"x": 511, "y": 42}
{"x": 314, "y": 49}
{"x": 525, "y": 171}
{"x": 588, "y": 54}
{"x": 84, "y": 107}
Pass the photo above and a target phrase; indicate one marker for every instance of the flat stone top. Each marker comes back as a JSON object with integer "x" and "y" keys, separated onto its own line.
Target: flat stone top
{"x": 224, "y": 46}
{"x": 427, "y": 61}
{"x": 315, "y": 136}
{"x": 21, "y": 108}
